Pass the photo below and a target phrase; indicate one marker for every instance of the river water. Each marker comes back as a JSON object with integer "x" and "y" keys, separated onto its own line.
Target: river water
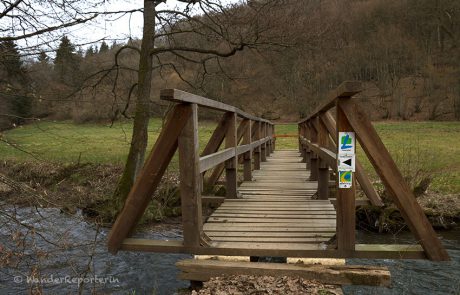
{"x": 64, "y": 250}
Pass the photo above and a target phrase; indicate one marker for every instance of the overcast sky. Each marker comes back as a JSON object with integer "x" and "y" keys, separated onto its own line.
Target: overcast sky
{"x": 120, "y": 27}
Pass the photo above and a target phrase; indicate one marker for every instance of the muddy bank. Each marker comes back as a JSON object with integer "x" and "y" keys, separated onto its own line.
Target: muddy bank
{"x": 84, "y": 186}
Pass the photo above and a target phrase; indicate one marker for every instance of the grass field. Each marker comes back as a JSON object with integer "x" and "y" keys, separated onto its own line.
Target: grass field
{"x": 420, "y": 149}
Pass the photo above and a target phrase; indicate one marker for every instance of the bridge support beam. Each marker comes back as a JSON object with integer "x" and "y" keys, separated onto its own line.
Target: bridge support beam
{"x": 190, "y": 181}
{"x": 323, "y": 168}
{"x": 247, "y": 157}
{"x": 231, "y": 165}
{"x": 257, "y": 150}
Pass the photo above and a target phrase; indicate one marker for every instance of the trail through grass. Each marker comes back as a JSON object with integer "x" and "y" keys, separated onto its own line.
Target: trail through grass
{"x": 421, "y": 149}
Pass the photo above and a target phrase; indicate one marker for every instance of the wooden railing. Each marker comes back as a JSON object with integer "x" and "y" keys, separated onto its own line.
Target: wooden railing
{"x": 180, "y": 132}
{"x": 318, "y": 143}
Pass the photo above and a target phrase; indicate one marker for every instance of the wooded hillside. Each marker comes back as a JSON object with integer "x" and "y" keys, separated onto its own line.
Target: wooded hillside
{"x": 407, "y": 52}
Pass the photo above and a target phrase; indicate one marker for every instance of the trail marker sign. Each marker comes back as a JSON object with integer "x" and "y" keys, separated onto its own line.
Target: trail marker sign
{"x": 346, "y": 162}
{"x": 345, "y": 178}
{"x": 347, "y": 143}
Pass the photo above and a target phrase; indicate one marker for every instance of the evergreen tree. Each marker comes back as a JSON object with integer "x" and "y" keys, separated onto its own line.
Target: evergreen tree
{"x": 66, "y": 62}
{"x": 43, "y": 58}
{"x": 10, "y": 60}
{"x": 104, "y": 47}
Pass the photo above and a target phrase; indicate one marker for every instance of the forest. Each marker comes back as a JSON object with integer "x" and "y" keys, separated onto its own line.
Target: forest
{"x": 406, "y": 51}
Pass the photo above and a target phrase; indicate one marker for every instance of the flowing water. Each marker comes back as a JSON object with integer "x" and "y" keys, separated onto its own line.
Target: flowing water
{"x": 63, "y": 250}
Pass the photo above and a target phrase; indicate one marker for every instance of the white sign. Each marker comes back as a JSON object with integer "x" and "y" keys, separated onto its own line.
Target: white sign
{"x": 346, "y": 162}
{"x": 347, "y": 143}
{"x": 345, "y": 178}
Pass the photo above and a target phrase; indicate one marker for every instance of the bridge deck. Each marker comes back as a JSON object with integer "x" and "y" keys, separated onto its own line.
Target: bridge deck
{"x": 275, "y": 210}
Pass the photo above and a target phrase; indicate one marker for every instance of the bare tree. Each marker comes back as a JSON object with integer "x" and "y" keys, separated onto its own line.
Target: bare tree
{"x": 198, "y": 34}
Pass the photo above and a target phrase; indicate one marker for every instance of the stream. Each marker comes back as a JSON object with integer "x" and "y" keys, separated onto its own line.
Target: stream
{"x": 68, "y": 253}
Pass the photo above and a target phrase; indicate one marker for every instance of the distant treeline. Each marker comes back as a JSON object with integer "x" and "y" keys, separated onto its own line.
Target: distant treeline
{"x": 406, "y": 52}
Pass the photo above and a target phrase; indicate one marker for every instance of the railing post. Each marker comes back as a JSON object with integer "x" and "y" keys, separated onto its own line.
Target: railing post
{"x": 323, "y": 168}
{"x": 263, "y": 152}
{"x": 247, "y": 157}
{"x": 345, "y": 205}
{"x": 257, "y": 150}
{"x": 231, "y": 165}
{"x": 307, "y": 134}
{"x": 302, "y": 144}
{"x": 313, "y": 155}
{"x": 273, "y": 138}
{"x": 190, "y": 180}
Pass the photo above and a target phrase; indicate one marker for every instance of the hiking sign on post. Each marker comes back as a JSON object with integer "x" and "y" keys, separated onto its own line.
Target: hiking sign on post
{"x": 346, "y": 158}
{"x": 347, "y": 143}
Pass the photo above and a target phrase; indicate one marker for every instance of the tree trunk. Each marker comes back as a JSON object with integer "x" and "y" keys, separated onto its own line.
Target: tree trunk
{"x": 136, "y": 154}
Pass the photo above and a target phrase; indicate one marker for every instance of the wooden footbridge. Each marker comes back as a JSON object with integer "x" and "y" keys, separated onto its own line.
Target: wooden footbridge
{"x": 289, "y": 203}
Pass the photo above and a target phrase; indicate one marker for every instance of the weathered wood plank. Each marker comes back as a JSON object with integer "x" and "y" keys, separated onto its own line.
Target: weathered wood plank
{"x": 203, "y": 270}
{"x": 253, "y": 249}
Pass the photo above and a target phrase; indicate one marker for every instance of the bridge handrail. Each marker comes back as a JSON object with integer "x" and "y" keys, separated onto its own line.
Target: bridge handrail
{"x": 180, "y": 132}
{"x": 318, "y": 143}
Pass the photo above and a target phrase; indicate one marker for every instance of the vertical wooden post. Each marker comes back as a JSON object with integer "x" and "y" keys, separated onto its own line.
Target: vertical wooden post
{"x": 302, "y": 145}
{"x": 299, "y": 131}
{"x": 323, "y": 168}
{"x": 257, "y": 150}
{"x": 273, "y": 139}
{"x": 190, "y": 180}
{"x": 247, "y": 157}
{"x": 313, "y": 155}
{"x": 345, "y": 205}
{"x": 307, "y": 148}
{"x": 263, "y": 152}
{"x": 231, "y": 165}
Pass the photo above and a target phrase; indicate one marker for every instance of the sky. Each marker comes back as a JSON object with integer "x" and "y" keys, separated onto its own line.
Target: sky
{"x": 119, "y": 27}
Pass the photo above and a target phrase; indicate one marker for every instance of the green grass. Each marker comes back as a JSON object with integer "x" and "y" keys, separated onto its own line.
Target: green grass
{"x": 419, "y": 148}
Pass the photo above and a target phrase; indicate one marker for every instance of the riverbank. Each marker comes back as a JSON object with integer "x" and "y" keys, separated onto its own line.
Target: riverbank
{"x": 89, "y": 187}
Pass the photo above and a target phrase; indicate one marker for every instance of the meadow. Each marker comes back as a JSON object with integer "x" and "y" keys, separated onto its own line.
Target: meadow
{"x": 421, "y": 149}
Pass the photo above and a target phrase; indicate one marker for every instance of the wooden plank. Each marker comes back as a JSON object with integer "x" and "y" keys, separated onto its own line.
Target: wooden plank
{"x": 288, "y": 223}
{"x": 255, "y": 239}
{"x": 231, "y": 165}
{"x": 190, "y": 180}
{"x": 270, "y": 234}
{"x": 273, "y": 216}
{"x": 238, "y": 227}
{"x": 149, "y": 178}
{"x": 310, "y": 220}
{"x": 203, "y": 270}
{"x": 394, "y": 182}
{"x": 345, "y": 205}
{"x": 212, "y": 160}
{"x": 247, "y": 157}
{"x": 253, "y": 249}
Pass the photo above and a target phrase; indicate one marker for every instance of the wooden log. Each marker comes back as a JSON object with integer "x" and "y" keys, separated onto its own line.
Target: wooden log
{"x": 149, "y": 178}
{"x": 394, "y": 182}
{"x": 190, "y": 180}
{"x": 203, "y": 270}
{"x": 345, "y": 205}
{"x": 313, "y": 156}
